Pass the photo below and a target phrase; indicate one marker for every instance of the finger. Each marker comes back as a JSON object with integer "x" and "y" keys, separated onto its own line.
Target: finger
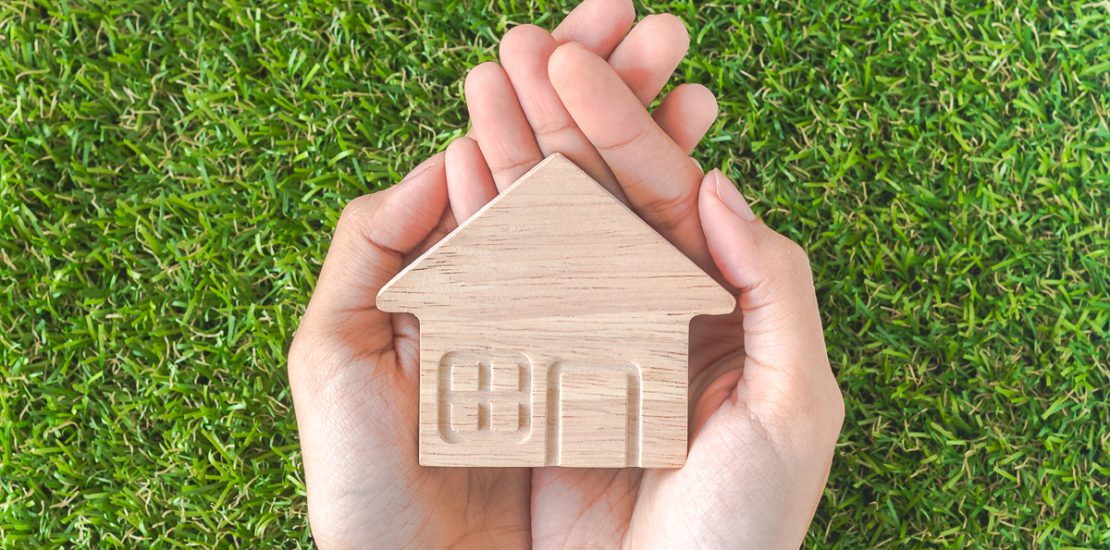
{"x": 500, "y": 127}
{"x": 598, "y": 25}
{"x": 785, "y": 347}
{"x": 771, "y": 272}
{"x": 371, "y": 239}
{"x": 524, "y": 54}
{"x": 469, "y": 182}
{"x": 655, "y": 173}
{"x": 686, "y": 114}
{"x": 647, "y": 57}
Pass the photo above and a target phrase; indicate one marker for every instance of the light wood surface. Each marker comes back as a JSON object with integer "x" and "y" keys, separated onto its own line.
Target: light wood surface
{"x": 554, "y": 331}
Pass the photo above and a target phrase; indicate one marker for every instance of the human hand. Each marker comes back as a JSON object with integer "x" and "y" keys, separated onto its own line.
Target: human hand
{"x": 353, "y": 369}
{"x": 518, "y": 119}
{"x": 765, "y": 407}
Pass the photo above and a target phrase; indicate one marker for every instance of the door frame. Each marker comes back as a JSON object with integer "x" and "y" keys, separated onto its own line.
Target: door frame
{"x": 634, "y": 420}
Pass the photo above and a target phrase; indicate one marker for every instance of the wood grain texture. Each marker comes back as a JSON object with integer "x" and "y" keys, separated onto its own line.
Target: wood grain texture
{"x": 554, "y": 331}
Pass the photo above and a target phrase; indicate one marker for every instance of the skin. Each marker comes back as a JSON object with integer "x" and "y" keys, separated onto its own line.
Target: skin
{"x": 765, "y": 407}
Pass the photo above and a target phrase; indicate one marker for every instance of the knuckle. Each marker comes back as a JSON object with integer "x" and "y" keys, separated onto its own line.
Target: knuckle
{"x": 509, "y": 169}
{"x": 792, "y": 257}
{"x": 794, "y": 251}
{"x": 298, "y": 358}
{"x": 668, "y": 213}
{"x": 629, "y": 136}
{"x": 826, "y": 410}
{"x": 553, "y": 127}
{"x": 356, "y": 213}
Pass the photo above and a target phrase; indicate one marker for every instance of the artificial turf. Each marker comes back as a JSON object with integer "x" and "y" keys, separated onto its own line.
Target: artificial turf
{"x": 170, "y": 173}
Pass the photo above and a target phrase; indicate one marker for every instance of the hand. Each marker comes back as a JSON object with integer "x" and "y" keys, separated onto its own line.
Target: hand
{"x": 765, "y": 407}
{"x": 353, "y": 369}
{"x": 518, "y": 119}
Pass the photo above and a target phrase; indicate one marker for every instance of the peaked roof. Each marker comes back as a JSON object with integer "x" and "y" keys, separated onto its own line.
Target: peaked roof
{"x": 554, "y": 243}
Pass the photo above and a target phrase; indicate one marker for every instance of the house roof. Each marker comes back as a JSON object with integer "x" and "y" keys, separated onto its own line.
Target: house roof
{"x": 555, "y": 243}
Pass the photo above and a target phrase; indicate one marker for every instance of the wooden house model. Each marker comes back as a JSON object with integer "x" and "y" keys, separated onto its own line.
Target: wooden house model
{"x": 554, "y": 331}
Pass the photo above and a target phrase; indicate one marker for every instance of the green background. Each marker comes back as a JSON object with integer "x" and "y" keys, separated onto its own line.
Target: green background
{"x": 170, "y": 173}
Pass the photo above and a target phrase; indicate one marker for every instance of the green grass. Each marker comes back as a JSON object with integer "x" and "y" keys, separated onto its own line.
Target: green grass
{"x": 170, "y": 174}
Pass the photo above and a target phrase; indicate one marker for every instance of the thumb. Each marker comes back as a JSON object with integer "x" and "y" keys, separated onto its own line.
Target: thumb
{"x": 374, "y": 234}
{"x": 786, "y": 364}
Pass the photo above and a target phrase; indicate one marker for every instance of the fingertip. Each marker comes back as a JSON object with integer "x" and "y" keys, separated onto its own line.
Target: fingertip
{"x": 525, "y": 52}
{"x": 428, "y": 177}
{"x": 459, "y": 147}
{"x": 706, "y": 187}
{"x": 599, "y": 25}
{"x": 499, "y": 123}
{"x": 649, "y": 55}
{"x": 564, "y": 58}
{"x": 729, "y": 237}
{"x": 524, "y": 39}
{"x": 432, "y": 163}
{"x": 470, "y": 184}
{"x": 702, "y": 112}
{"x": 410, "y": 209}
{"x": 620, "y": 10}
{"x": 731, "y": 197}
{"x": 481, "y": 77}
{"x": 669, "y": 29}
{"x": 686, "y": 114}
{"x": 703, "y": 98}
{"x": 577, "y": 72}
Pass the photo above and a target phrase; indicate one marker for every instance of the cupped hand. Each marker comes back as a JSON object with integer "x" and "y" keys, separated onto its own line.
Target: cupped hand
{"x": 765, "y": 407}
{"x": 353, "y": 369}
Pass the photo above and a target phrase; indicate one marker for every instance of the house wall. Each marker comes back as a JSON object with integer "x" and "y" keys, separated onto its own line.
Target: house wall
{"x": 601, "y": 364}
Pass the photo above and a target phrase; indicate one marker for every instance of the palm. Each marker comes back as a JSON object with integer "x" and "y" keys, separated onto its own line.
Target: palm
{"x": 603, "y": 507}
{"x": 433, "y": 502}
{"x": 368, "y": 480}
{"x": 571, "y": 507}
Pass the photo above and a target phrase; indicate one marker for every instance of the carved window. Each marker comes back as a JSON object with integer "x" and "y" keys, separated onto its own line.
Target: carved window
{"x": 485, "y": 396}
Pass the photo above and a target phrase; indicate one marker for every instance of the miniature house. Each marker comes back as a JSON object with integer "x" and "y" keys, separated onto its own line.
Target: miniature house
{"x": 554, "y": 331}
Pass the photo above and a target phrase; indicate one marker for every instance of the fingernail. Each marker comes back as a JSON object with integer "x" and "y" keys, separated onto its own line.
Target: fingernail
{"x": 730, "y": 195}
{"x": 698, "y": 164}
